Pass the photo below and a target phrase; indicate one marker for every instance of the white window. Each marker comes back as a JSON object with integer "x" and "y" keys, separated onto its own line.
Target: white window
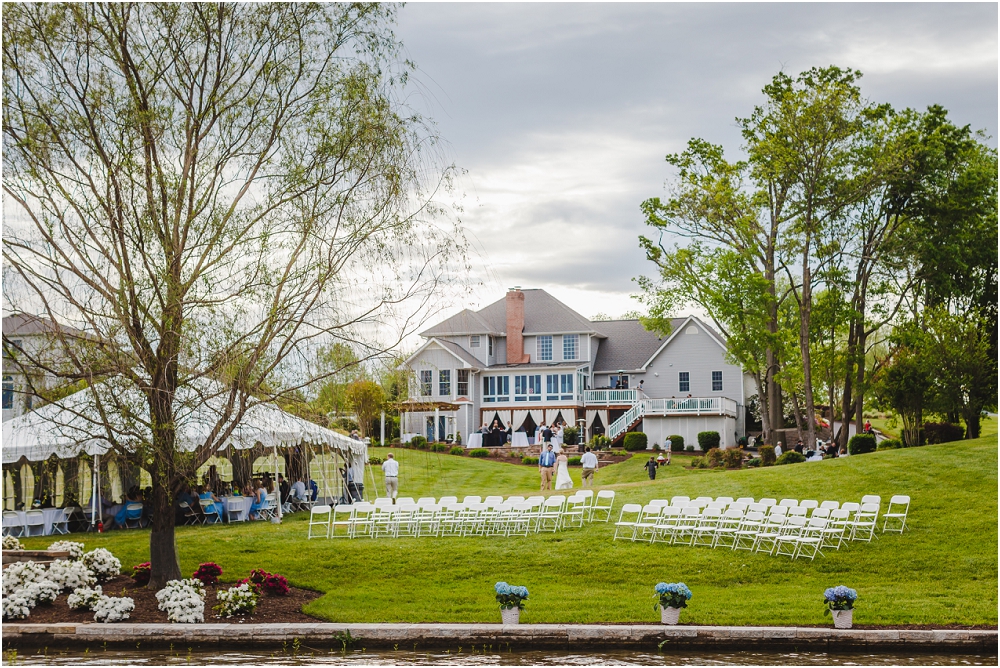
{"x": 552, "y": 387}
{"x": 684, "y": 381}
{"x": 545, "y": 348}
{"x": 528, "y": 388}
{"x": 8, "y": 392}
{"x": 717, "y": 381}
{"x": 619, "y": 382}
{"x": 571, "y": 344}
{"x": 566, "y": 386}
{"x": 426, "y": 379}
{"x": 496, "y": 388}
{"x": 490, "y": 338}
{"x": 444, "y": 382}
{"x": 474, "y": 341}
{"x": 462, "y": 381}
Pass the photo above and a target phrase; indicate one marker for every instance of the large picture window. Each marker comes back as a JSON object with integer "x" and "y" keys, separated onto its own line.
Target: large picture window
{"x": 717, "y": 381}
{"x": 496, "y": 388}
{"x": 528, "y": 388}
{"x": 444, "y": 382}
{"x": 684, "y": 381}
{"x": 571, "y": 344}
{"x": 426, "y": 379}
{"x": 545, "y": 348}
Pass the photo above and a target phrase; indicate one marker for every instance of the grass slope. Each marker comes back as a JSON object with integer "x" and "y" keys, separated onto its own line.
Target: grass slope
{"x": 942, "y": 571}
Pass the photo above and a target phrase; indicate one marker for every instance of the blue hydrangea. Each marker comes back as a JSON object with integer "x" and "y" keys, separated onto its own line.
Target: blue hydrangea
{"x": 839, "y": 594}
{"x": 502, "y": 589}
{"x": 674, "y": 589}
{"x": 521, "y": 592}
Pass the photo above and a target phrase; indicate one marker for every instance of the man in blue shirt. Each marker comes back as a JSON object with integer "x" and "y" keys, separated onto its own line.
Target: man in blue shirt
{"x": 546, "y": 463}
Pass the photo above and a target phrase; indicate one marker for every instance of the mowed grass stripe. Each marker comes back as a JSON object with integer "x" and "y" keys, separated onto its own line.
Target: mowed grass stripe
{"x": 943, "y": 570}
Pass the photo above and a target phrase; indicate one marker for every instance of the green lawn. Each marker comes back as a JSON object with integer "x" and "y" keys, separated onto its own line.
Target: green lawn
{"x": 892, "y": 428}
{"x": 942, "y": 571}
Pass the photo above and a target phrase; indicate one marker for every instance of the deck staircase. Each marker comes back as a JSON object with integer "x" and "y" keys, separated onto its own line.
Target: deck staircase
{"x": 629, "y": 420}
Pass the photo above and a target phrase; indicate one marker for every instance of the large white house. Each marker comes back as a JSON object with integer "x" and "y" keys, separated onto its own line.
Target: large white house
{"x": 528, "y": 359}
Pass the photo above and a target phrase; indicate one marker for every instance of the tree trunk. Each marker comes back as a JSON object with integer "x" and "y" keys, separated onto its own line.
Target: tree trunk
{"x": 797, "y": 412}
{"x": 242, "y": 461}
{"x": 71, "y": 481}
{"x": 765, "y": 418}
{"x": 805, "y": 317}
{"x": 293, "y": 464}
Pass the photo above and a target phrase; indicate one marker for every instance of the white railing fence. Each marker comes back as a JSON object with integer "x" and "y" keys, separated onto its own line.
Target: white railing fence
{"x": 623, "y": 423}
{"x": 611, "y": 396}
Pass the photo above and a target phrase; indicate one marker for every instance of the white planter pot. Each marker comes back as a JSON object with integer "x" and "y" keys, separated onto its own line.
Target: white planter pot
{"x": 669, "y": 615}
{"x": 842, "y": 619}
{"x": 510, "y": 615}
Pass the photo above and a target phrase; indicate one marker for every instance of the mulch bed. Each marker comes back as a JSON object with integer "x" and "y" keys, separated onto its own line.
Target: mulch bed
{"x": 270, "y": 609}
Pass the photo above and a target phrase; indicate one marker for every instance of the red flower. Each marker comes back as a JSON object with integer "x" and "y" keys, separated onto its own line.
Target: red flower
{"x": 140, "y": 573}
{"x": 208, "y": 573}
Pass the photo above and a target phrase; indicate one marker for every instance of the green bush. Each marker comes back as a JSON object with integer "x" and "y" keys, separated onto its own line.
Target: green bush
{"x": 699, "y": 463}
{"x": 439, "y": 447}
{"x": 635, "y": 440}
{"x": 459, "y": 450}
{"x": 656, "y": 447}
{"x": 790, "y": 457}
{"x": 890, "y": 444}
{"x": 733, "y": 458}
{"x": 753, "y": 463}
{"x": 417, "y": 441}
{"x": 600, "y": 442}
{"x": 708, "y": 440}
{"x": 478, "y": 452}
{"x": 574, "y": 461}
{"x": 942, "y": 432}
{"x": 689, "y": 448}
{"x": 715, "y": 457}
{"x": 529, "y": 460}
{"x": 676, "y": 443}
{"x": 569, "y": 435}
{"x": 766, "y": 454}
{"x": 861, "y": 443}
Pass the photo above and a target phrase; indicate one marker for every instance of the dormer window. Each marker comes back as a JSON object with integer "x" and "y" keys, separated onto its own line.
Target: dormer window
{"x": 474, "y": 341}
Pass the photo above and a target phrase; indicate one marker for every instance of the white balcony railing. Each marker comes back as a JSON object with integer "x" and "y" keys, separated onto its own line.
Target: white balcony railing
{"x": 610, "y": 396}
{"x": 691, "y": 406}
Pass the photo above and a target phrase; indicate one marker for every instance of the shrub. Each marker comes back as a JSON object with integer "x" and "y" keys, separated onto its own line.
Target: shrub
{"x": 70, "y": 574}
{"x": 570, "y": 435}
{"x": 375, "y": 461}
{"x": 714, "y": 457}
{"x": 208, "y": 573}
{"x": 84, "y": 598}
{"x": 75, "y": 549}
{"x": 766, "y": 454}
{"x": 753, "y": 463}
{"x": 417, "y": 441}
{"x": 733, "y": 458}
{"x": 890, "y": 444}
{"x": 478, "y": 452}
{"x": 700, "y": 463}
{"x": 183, "y": 601}
{"x": 656, "y": 447}
{"x": 529, "y": 460}
{"x": 676, "y": 443}
{"x": 276, "y": 585}
{"x": 102, "y": 564}
{"x": 514, "y": 455}
{"x": 708, "y": 440}
{"x": 239, "y": 600}
{"x": 109, "y": 609}
{"x": 790, "y": 457}
{"x": 424, "y": 445}
{"x": 11, "y": 543}
{"x": 942, "y": 432}
{"x": 600, "y": 442}
{"x": 459, "y": 450}
{"x": 574, "y": 461}
{"x": 635, "y": 440}
{"x": 861, "y": 443}
{"x": 439, "y": 447}
{"x": 689, "y": 448}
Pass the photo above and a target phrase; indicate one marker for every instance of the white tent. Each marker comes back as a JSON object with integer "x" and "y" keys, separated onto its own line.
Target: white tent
{"x": 70, "y": 426}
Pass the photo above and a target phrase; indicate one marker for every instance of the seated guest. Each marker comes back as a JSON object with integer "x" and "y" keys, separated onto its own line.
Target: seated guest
{"x": 209, "y": 502}
{"x": 259, "y": 500}
{"x": 313, "y": 489}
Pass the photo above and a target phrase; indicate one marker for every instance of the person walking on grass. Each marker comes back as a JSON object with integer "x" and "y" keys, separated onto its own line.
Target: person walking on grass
{"x": 651, "y": 467}
{"x": 390, "y": 467}
{"x": 546, "y": 461}
{"x": 589, "y": 463}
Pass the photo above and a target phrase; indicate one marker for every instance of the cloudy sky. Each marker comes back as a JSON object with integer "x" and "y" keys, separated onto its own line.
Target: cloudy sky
{"x": 561, "y": 114}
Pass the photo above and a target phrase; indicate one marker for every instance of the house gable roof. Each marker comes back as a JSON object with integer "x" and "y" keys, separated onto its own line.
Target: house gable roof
{"x": 543, "y": 314}
{"x": 678, "y": 325}
{"x": 465, "y": 322}
{"x": 24, "y": 324}
{"x": 628, "y": 345}
{"x": 456, "y": 350}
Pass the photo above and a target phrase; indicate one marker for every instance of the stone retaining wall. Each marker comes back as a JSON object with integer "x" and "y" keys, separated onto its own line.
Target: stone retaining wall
{"x": 514, "y": 637}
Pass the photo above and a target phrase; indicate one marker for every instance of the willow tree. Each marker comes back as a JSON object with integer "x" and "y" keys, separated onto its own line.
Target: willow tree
{"x": 211, "y": 192}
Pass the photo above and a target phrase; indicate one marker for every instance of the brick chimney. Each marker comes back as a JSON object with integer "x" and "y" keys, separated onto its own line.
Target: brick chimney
{"x": 515, "y": 327}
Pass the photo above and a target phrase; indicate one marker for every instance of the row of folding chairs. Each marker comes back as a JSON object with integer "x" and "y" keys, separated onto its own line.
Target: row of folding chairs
{"x": 494, "y": 516}
{"x": 34, "y": 523}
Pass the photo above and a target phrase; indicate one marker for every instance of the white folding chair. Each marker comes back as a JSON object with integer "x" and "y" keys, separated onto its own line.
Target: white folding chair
{"x": 768, "y": 533}
{"x": 789, "y": 503}
{"x": 666, "y": 523}
{"x": 768, "y": 502}
{"x": 519, "y": 522}
{"x": 679, "y": 500}
{"x": 810, "y": 539}
{"x": 405, "y": 501}
{"x": 745, "y": 499}
{"x": 871, "y": 498}
{"x": 341, "y": 517}
{"x": 797, "y": 511}
{"x": 234, "y": 510}
{"x": 899, "y": 506}
{"x": 725, "y": 532}
{"x": 603, "y": 503}
{"x": 809, "y": 504}
{"x": 703, "y": 501}
{"x": 647, "y": 522}
{"x": 823, "y": 513}
{"x": 448, "y": 500}
{"x": 627, "y": 519}
{"x": 61, "y": 525}
{"x": 12, "y": 524}
{"x": 472, "y": 499}
{"x": 361, "y": 520}
{"x": 687, "y": 524}
{"x": 836, "y": 528}
{"x": 658, "y": 502}
{"x": 830, "y": 505}
{"x": 550, "y": 517}
{"x": 320, "y": 516}
{"x": 863, "y": 525}
{"x": 745, "y": 537}
{"x": 427, "y": 520}
{"x": 575, "y": 512}
{"x": 777, "y": 511}
{"x": 34, "y": 519}
{"x": 493, "y": 500}
{"x": 787, "y": 542}
{"x": 724, "y": 500}
{"x": 704, "y": 533}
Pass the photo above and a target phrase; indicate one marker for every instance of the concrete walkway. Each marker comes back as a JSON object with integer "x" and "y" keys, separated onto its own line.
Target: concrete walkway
{"x": 517, "y": 637}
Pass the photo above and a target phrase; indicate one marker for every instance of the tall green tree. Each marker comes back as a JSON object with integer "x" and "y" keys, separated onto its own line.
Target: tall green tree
{"x": 203, "y": 189}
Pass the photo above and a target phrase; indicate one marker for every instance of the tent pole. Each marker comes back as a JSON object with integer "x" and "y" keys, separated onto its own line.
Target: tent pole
{"x": 276, "y": 481}
{"x": 95, "y": 490}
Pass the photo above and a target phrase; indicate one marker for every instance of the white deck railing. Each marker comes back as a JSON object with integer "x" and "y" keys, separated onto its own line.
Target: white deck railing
{"x": 691, "y": 406}
{"x": 610, "y": 396}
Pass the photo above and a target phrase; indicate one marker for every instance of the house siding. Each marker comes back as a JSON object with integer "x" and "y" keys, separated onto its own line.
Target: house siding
{"x": 698, "y": 354}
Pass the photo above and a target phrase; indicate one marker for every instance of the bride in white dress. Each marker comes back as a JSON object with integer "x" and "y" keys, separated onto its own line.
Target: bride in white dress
{"x": 563, "y": 481}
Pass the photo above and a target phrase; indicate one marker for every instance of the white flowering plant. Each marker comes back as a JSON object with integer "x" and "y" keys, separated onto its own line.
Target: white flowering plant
{"x": 75, "y": 549}
{"x": 241, "y": 600}
{"x": 70, "y": 574}
{"x": 17, "y": 605}
{"x": 84, "y": 598}
{"x": 43, "y": 592}
{"x": 183, "y": 601}
{"x": 110, "y": 609}
{"x": 20, "y": 574}
{"x": 102, "y": 564}
{"x": 11, "y": 543}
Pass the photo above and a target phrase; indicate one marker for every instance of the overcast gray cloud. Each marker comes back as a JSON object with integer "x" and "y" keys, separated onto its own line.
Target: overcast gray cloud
{"x": 562, "y": 113}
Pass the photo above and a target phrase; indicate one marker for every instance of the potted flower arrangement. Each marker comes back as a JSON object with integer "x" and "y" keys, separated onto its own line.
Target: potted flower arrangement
{"x": 839, "y": 602}
{"x": 511, "y": 600}
{"x": 673, "y": 597}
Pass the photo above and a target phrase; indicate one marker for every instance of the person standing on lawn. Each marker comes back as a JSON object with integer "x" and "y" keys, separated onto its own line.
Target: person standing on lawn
{"x": 546, "y": 461}
{"x": 589, "y": 463}
{"x": 651, "y": 467}
{"x": 390, "y": 467}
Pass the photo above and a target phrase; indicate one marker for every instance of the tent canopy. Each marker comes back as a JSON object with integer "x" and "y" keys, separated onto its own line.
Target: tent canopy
{"x": 70, "y": 426}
